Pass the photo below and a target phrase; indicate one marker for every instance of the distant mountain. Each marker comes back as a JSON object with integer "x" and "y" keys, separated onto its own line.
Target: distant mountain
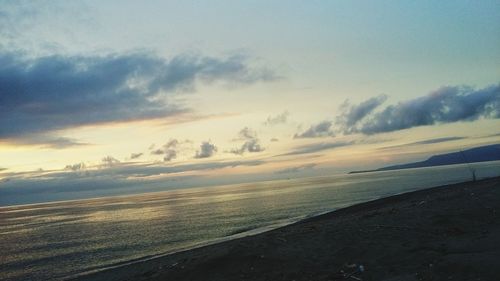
{"x": 478, "y": 154}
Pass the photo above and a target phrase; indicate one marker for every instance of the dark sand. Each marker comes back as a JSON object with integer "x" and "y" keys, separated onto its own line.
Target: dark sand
{"x": 444, "y": 233}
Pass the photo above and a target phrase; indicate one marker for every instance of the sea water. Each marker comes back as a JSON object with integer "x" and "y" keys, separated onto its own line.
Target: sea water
{"x": 64, "y": 239}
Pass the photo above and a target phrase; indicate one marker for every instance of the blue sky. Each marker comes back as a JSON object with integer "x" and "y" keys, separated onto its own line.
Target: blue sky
{"x": 224, "y": 91}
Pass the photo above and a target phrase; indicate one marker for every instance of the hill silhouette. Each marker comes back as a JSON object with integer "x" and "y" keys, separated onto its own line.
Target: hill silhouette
{"x": 477, "y": 154}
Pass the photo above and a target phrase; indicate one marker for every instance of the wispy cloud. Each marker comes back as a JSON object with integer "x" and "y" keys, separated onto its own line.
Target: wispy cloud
{"x": 23, "y": 22}
{"x": 438, "y": 140}
{"x": 425, "y": 142}
{"x": 47, "y": 141}
{"x": 311, "y": 148}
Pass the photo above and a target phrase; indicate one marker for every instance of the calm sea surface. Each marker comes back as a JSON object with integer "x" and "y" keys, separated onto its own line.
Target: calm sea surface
{"x": 60, "y": 240}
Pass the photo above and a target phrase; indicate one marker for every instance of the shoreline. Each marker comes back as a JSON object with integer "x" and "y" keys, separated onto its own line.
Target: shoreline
{"x": 252, "y": 262}
{"x": 235, "y": 236}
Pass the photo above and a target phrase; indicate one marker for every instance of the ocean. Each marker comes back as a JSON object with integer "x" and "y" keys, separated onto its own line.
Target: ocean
{"x": 60, "y": 240}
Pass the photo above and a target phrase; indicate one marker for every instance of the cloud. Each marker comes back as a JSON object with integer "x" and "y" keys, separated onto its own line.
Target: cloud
{"x": 76, "y": 167}
{"x": 274, "y": 140}
{"x": 311, "y": 148}
{"x": 169, "y": 150}
{"x": 251, "y": 144}
{"x": 170, "y": 155}
{"x": 25, "y": 23}
{"x": 49, "y": 141}
{"x": 296, "y": 169}
{"x": 172, "y": 143}
{"x": 206, "y": 150}
{"x": 158, "y": 151}
{"x": 126, "y": 170}
{"x": 109, "y": 161}
{"x": 352, "y": 114}
{"x": 278, "y": 119}
{"x": 136, "y": 155}
{"x": 246, "y": 134}
{"x": 437, "y": 140}
{"x": 46, "y": 94}
{"x": 445, "y": 105}
{"x": 321, "y": 129}
{"x": 424, "y": 142}
{"x": 123, "y": 178}
{"x": 146, "y": 170}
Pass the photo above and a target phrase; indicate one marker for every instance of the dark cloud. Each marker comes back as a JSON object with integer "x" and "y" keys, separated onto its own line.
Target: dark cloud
{"x": 136, "y": 155}
{"x": 278, "y": 119}
{"x": 274, "y": 140}
{"x": 296, "y": 169}
{"x": 207, "y": 150}
{"x": 311, "y": 148}
{"x": 322, "y": 129}
{"x": 251, "y": 142}
{"x": 45, "y": 94}
{"x": 352, "y": 114}
{"x": 445, "y": 105}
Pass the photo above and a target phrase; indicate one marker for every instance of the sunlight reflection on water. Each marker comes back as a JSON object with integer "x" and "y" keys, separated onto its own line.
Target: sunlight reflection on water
{"x": 56, "y": 240}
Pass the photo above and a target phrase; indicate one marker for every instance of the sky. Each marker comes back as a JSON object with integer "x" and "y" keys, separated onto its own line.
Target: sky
{"x": 112, "y": 97}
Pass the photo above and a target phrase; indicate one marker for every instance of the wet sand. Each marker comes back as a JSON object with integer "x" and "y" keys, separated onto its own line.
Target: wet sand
{"x": 444, "y": 233}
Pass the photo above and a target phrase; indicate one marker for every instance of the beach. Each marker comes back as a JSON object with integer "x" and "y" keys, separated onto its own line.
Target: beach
{"x": 443, "y": 233}
{"x": 249, "y": 140}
